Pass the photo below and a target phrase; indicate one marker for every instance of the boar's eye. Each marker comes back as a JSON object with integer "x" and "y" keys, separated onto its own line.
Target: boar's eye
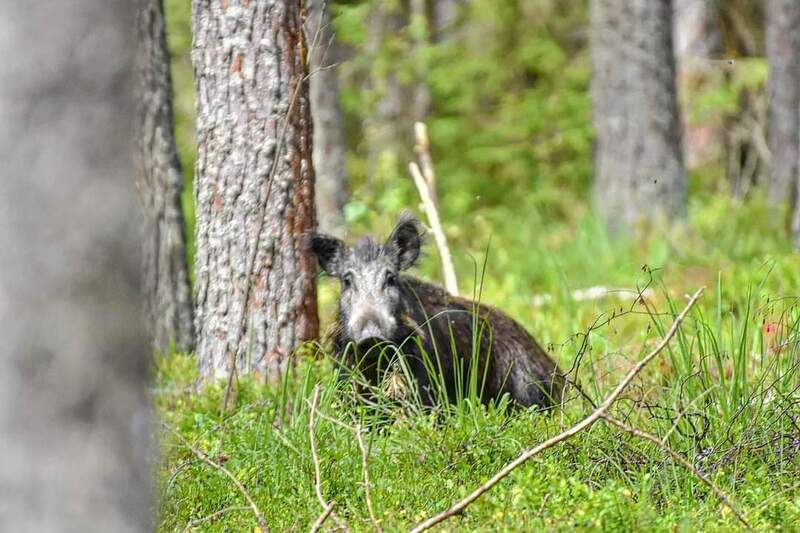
{"x": 391, "y": 279}
{"x": 347, "y": 280}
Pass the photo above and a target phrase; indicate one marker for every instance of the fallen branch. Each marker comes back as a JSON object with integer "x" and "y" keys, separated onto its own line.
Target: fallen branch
{"x": 262, "y": 523}
{"x": 326, "y": 512}
{"x": 676, "y": 456}
{"x": 425, "y": 181}
{"x": 584, "y": 424}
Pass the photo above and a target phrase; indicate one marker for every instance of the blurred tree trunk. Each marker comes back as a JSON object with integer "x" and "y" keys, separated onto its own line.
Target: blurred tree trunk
{"x": 387, "y": 124}
{"x": 166, "y": 276}
{"x": 697, "y": 31}
{"x": 697, "y": 37}
{"x": 397, "y": 32}
{"x": 330, "y": 149}
{"x": 796, "y": 214}
{"x": 256, "y": 291}
{"x": 783, "y": 54}
{"x": 639, "y": 170}
{"x": 74, "y": 414}
{"x": 419, "y": 21}
{"x": 445, "y": 19}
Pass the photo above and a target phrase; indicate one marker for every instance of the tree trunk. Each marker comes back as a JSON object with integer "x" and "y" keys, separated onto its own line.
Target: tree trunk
{"x": 638, "y": 159}
{"x": 783, "y": 53}
{"x": 388, "y": 128}
{"x": 697, "y": 32}
{"x": 697, "y": 37}
{"x": 330, "y": 149}
{"x": 74, "y": 414}
{"x": 254, "y": 186}
{"x": 166, "y": 276}
{"x": 420, "y": 92}
{"x": 445, "y": 19}
{"x": 796, "y": 214}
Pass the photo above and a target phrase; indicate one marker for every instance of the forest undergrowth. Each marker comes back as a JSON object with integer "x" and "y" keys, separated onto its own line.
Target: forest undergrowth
{"x": 724, "y": 395}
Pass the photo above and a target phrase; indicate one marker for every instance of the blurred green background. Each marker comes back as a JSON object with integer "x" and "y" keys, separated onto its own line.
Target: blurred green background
{"x": 511, "y": 132}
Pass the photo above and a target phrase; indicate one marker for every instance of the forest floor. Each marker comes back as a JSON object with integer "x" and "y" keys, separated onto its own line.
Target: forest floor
{"x": 725, "y": 395}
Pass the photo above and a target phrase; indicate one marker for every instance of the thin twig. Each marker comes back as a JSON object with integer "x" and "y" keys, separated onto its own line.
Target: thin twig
{"x": 686, "y": 464}
{"x": 213, "y": 516}
{"x": 365, "y": 469}
{"x": 262, "y": 523}
{"x": 448, "y": 271}
{"x": 357, "y": 431}
{"x": 326, "y": 512}
{"x": 597, "y": 292}
{"x": 327, "y": 507}
{"x": 571, "y": 432}
{"x": 312, "y": 423}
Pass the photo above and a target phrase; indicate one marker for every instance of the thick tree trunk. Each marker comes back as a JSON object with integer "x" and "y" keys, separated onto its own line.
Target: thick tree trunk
{"x": 74, "y": 416}
{"x": 166, "y": 276}
{"x": 783, "y": 53}
{"x": 254, "y": 186}
{"x": 639, "y": 171}
{"x": 330, "y": 149}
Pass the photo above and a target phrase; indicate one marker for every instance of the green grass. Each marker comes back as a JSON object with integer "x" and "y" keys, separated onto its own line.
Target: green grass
{"x": 726, "y": 395}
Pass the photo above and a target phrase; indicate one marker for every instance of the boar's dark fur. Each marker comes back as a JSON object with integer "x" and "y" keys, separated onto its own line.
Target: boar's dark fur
{"x": 378, "y": 305}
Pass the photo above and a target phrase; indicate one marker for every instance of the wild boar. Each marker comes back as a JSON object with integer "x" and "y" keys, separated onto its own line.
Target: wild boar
{"x": 431, "y": 330}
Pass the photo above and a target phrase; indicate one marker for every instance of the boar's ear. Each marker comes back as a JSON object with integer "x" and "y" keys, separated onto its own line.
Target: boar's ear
{"x": 405, "y": 241}
{"x": 328, "y": 251}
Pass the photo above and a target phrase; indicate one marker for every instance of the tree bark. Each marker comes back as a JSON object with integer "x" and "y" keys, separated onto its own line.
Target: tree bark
{"x": 254, "y": 186}
{"x": 783, "y": 54}
{"x": 330, "y": 149}
{"x": 639, "y": 172}
{"x": 166, "y": 275}
{"x": 74, "y": 415}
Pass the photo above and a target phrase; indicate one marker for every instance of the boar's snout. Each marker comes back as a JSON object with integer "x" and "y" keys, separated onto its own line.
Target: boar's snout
{"x": 371, "y": 325}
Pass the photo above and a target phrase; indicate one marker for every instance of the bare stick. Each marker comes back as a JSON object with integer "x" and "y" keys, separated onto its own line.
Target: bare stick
{"x": 571, "y": 432}
{"x": 423, "y": 149}
{"x": 213, "y": 516}
{"x": 679, "y": 458}
{"x": 436, "y": 227}
{"x": 326, "y": 512}
{"x": 596, "y": 292}
{"x": 262, "y": 524}
{"x": 365, "y": 469}
{"x": 327, "y": 507}
{"x": 357, "y": 431}
{"x": 312, "y": 422}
